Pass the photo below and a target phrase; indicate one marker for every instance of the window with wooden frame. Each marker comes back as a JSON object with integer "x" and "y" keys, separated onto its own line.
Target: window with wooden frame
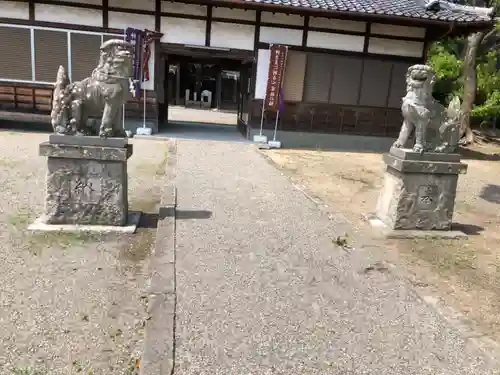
{"x": 375, "y": 83}
{"x": 318, "y": 78}
{"x": 84, "y": 54}
{"x": 15, "y": 46}
{"x": 295, "y": 70}
{"x": 355, "y": 81}
{"x": 346, "y": 79}
{"x": 51, "y": 51}
{"x": 398, "y": 84}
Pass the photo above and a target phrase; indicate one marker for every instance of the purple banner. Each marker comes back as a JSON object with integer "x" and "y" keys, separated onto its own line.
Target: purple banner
{"x": 135, "y": 36}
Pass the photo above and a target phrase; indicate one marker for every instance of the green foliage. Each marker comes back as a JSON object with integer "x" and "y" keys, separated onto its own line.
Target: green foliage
{"x": 445, "y": 58}
{"x": 448, "y": 68}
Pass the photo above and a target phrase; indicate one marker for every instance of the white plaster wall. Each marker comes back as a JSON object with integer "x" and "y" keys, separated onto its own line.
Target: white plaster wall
{"x": 121, "y": 20}
{"x": 150, "y": 85}
{"x": 335, "y": 24}
{"x": 180, "y": 8}
{"x": 395, "y": 47}
{"x": 395, "y": 30}
{"x": 183, "y": 31}
{"x": 231, "y": 35}
{"x": 341, "y": 42}
{"x": 234, "y": 14}
{"x": 13, "y": 9}
{"x": 281, "y": 18}
{"x": 263, "y": 60}
{"x": 65, "y": 14}
{"x": 278, "y": 35}
{"x": 133, "y": 4}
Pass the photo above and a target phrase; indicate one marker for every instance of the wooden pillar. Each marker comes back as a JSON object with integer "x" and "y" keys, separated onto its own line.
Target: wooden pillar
{"x": 218, "y": 88}
{"x": 178, "y": 85}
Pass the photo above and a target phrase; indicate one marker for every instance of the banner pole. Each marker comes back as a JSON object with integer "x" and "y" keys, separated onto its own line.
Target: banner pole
{"x": 123, "y": 107}
{"x": 276, "y": 125}
{"x": 262, "y": 116}
{"x": 144, "y": 110}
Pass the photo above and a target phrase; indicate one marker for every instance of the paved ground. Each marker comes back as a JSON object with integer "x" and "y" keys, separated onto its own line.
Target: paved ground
{"x": 462, "y": 273}
{"x": 180, "y": 113}
{"x": 71, "y": 304}
{"x": 261, "y": 288}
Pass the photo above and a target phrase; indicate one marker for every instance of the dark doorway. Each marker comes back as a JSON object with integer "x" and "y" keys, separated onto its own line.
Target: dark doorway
{"x": 204, "y": 86}
{"x": 205, "y": 83}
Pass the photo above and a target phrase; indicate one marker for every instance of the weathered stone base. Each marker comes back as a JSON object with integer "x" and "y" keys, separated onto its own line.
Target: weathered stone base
{"x": 86, "y": 181}
{"x": 419, "y": 190}
{"x": 389, "y": 233}
{"x": 39, "y": 225}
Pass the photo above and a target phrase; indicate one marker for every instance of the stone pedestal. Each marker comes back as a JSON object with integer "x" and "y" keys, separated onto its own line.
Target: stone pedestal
{"x": 86, "y": 181}
{"x": 419, "y": 190}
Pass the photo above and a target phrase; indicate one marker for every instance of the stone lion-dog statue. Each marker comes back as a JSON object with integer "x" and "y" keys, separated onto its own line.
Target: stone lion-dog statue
{"x": 421, "y": 113}
{"x": 101, "y": 95}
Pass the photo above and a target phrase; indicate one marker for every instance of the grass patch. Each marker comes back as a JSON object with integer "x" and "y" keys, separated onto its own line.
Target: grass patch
{"x": 358, "y": 177}
{"x": 20, "y": 220}
{"x": 137, "y": 247}
{"x": 161, "y": 169}
{"x": 8, "y": 163}
{"x": 153, "y": 168}
{"x": 28, "y": 371}
{"x": 36, "y": 242}
{"x": 447, "y": 256}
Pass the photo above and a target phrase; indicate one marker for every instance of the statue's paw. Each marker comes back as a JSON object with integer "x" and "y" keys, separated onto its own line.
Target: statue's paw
{"x": 418, "y": 148}
{"x": 60, "y": 130}
{"x": 105, "y": 132}
{"x": 397, "y": 145}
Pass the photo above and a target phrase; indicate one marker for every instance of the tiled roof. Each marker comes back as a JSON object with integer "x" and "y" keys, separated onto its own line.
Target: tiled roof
{"x": 415, "y": 9}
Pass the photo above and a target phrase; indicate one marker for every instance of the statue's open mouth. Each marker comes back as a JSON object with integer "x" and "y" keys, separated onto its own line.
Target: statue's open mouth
{"x": 419, "y": 76}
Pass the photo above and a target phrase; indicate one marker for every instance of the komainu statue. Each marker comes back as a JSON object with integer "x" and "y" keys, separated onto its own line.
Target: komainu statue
{"x": 101, "y": 95}
{"x": 436, "y": 128}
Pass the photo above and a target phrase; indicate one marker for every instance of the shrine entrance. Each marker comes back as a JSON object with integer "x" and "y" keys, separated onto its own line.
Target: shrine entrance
{"x": 204, "y": 86}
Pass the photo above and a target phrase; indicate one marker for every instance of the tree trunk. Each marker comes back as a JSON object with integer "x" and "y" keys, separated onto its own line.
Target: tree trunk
{"x": 469, "y": 74}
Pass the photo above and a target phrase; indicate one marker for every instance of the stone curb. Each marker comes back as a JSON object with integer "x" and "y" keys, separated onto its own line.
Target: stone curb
{"x": 158, "y": 353}
{"x": 457, "y": 320}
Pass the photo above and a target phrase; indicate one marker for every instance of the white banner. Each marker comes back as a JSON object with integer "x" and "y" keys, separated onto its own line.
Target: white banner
{"x": 263, "y": 60}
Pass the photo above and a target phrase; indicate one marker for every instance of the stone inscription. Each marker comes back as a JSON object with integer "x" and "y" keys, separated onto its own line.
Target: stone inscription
{"x": 85, "y": 190}
{"x": 427, "y": 197}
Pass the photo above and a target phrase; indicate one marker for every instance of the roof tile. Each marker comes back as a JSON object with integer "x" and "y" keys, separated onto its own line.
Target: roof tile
{"x": 403, "y": 8}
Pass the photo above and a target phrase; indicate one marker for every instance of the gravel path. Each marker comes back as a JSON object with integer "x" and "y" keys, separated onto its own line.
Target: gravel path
{"x": 261, "y": 289}
{"x": 70, "y": 303}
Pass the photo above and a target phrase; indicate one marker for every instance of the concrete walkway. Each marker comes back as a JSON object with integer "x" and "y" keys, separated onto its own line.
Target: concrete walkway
{"x": 261, "y": 289}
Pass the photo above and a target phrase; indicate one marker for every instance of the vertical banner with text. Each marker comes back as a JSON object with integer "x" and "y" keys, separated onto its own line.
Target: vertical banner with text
{"x": 135, "y": 36}
{"x": 275, "y": 79}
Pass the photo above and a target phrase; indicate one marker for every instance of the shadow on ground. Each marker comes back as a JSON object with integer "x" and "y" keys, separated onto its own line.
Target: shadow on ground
{"x": 150, "y": 220}
{"x": 477, "y": 155}
{"x": 26, "y": 126}
{"x": 491, "y": 193}
{"x": 468, "y": 229}
{"x": 192, "y": 214}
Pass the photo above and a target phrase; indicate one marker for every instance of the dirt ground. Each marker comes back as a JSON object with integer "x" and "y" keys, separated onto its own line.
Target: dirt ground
{"x": 71, "y": 304}
{"x": 465, "y": 274}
